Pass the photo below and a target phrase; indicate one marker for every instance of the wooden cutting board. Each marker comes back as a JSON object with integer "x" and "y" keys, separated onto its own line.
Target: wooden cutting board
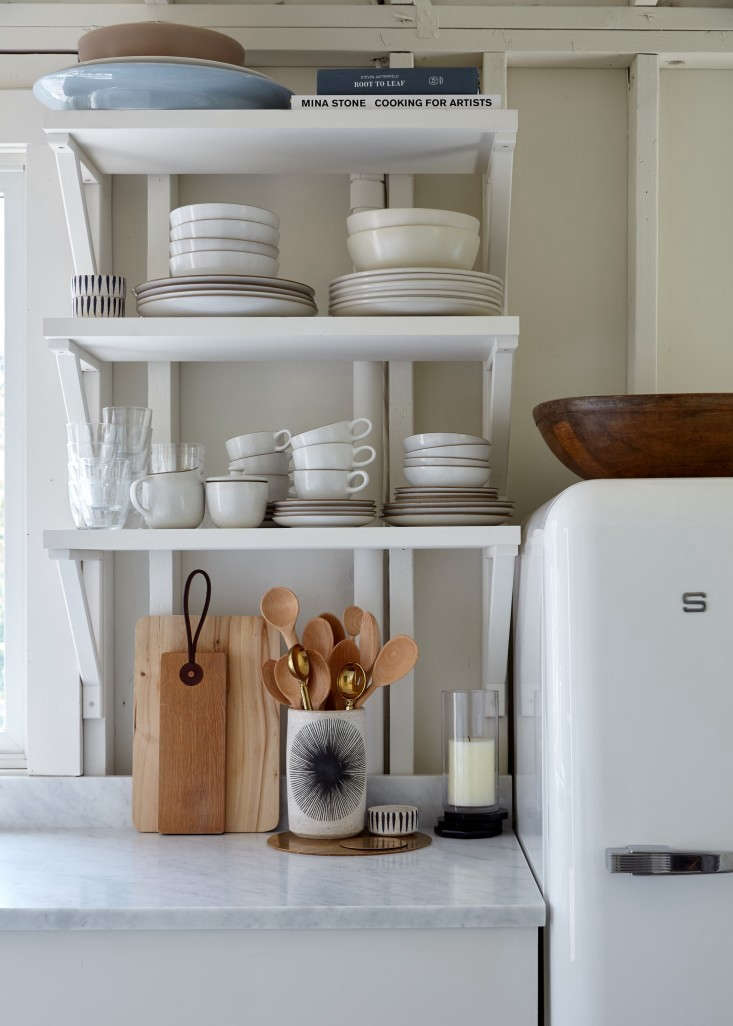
{"x": 253, "y": 718}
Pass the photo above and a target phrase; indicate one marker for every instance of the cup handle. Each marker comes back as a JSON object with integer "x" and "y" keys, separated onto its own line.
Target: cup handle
{"x": 361, "y": 434}
{"x": 352, "y": 476}
{"x": 280, "y": 446}
{"x": 144, "y": 511}
{"x": 370, "y": 459}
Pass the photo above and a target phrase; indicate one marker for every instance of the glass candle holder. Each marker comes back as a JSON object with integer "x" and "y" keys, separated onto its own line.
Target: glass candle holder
{"x": 470, "y": 765}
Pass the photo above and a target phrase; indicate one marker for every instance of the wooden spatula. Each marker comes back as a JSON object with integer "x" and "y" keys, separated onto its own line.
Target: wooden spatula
{"x": 193, "y": 702}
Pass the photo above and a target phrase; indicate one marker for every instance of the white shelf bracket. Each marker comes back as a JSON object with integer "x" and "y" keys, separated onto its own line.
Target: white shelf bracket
{"x": 498, "y": 585}
{"x": 71, "y": 362}
{"x": 497, "y": 396}
{"x": 74, "y": 169}
{"x": 71, "y": 573}
{"x": 499, "y": 188}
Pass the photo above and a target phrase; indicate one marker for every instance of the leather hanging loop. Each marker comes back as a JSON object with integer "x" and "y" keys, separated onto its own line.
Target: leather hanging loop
{"x": 191, "y": 673}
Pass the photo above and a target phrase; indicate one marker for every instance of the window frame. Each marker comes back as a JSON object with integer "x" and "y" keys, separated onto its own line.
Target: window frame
{"x": 13, "y": 739}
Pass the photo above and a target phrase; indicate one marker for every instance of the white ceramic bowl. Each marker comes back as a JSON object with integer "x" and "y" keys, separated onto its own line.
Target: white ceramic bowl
{"x": 413, "y": 245}
{"x": 332, "y": 456}
{"x": 252, "y": 231}
{"x": 236, "y": 502}
{"x": 328, "y": 484}
{"x": 433, "y": 438}
{"x": 342, "y": 431}
{"x": 236, "y": 245}
{"x": 257, "y": 443}
{"x": 458, "y": 477}
{"x": 443, "y": 461}
{"x": 209, "y": 211}
{"x": 222, "y": 262}
{"x": 268, "y": 463}
{"x": 390, "y": 217}
{"x": 464, "y": 452}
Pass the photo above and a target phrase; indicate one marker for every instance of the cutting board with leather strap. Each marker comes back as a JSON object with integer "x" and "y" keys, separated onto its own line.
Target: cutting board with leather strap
{"x": 252, "y": 791}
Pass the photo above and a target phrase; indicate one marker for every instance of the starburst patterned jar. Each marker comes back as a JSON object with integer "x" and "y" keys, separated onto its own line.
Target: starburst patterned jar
{"x": 326, "y": 772}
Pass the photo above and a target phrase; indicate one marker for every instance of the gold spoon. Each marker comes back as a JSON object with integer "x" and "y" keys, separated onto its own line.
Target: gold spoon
{"x": 299, "y": 665}
{"x": 351, "y": 683}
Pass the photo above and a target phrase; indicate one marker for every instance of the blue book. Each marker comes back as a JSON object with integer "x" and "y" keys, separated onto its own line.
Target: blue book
{"x": 371, "y": 81}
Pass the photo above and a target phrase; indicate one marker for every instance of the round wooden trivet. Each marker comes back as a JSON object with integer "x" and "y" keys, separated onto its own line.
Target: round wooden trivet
{"x": 363, "y": 844}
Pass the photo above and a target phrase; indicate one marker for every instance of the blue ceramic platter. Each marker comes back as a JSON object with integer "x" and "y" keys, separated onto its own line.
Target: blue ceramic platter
{"x": 134, "y": 83}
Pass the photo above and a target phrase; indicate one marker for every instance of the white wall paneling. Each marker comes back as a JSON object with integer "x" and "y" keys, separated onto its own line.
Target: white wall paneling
{"x": 643, "y": 205}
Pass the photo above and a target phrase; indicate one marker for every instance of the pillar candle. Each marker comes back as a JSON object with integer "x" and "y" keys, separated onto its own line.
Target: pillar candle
{"x": 472, "y": 772}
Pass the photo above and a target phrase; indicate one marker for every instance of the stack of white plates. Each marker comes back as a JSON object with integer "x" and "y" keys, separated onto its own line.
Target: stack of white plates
{"x": 224, "y": 238}
{"x": 222, "y": 295}
{"x": 416, "y": 291}
{"x": 324, "y": 512}
{"x": 459, "y": 507}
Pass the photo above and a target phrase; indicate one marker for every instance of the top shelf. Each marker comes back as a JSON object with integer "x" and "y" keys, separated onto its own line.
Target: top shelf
{"x": 285, "y": 141}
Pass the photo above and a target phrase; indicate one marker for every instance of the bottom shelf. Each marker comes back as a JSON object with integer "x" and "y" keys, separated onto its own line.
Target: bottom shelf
{"x": 283, "y": 538}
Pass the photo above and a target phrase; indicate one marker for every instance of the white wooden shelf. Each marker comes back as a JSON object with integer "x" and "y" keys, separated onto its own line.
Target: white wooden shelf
{"x": 215, "y": 539}
{"x": 284, "y": 141}
{"x": 283, "y": 338}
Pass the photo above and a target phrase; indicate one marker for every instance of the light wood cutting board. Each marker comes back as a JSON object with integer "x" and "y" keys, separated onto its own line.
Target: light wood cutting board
{"x": 253, "y": 718}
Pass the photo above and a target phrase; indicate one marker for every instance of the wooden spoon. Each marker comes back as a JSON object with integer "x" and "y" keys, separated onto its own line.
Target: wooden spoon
{"x": 318, "y": 637}
{"x": 352, "y": 620}
{"x": 394, "y": 661}
{"x": 345, "y": 652}
{"x": 279, "y": 606}
{"x": 369, "y": 642}
{"x": 287, "y": 683}
{"x": 320, "y": 682}
{"x": 336, "y": 626}
{"x": 267, "y": 677}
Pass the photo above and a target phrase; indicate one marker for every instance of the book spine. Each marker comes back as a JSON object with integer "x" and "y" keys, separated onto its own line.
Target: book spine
{"x": 349, "y": 81}
{"x": 391, "y": 102}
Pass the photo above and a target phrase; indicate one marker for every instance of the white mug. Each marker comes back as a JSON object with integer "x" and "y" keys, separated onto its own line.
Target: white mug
{"x": 257, "y": 443}
{"x": 342, "y": 431}
{"x": 328, "y": 484}
{"x": 174, "y": 499}
{"x": 332, "y": 456}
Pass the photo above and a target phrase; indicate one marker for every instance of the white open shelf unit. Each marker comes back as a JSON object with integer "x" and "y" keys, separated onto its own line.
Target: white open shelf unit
{"x": 90, "y": 146}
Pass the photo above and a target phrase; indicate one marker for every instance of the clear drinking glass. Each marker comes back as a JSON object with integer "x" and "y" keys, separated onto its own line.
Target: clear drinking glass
{"x": 470, "y": 751}
{"x": 167, "y": 457}
{"x": 99, "y": 492}
{"x": 135, "y": 422}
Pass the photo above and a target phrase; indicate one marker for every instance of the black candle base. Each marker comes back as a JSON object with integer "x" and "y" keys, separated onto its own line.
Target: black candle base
{"x": 471, "y": 824}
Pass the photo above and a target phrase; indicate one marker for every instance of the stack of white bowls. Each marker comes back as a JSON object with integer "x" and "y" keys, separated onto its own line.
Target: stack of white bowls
{"x": 262, "y": 455}
{"x": 450, "y": 460}
{"x": 224, "y": 238}
{"x": 412, "y": 237}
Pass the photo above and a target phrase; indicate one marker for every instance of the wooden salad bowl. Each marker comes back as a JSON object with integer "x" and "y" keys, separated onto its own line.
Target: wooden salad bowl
{"x": 672, "y": 435}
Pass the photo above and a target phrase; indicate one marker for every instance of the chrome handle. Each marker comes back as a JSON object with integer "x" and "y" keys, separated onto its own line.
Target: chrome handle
{"x": 657, "y": 860}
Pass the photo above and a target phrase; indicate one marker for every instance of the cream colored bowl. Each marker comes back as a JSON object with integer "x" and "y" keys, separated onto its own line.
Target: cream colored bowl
{"x": 365, "y": 220}
{"x": 415, "y": 245}
{"x": 225, "y": 261}
{"x": 236, "y": 245}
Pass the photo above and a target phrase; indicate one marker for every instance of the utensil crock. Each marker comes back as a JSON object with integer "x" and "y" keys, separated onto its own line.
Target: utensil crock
{"x": 326, "y": 772}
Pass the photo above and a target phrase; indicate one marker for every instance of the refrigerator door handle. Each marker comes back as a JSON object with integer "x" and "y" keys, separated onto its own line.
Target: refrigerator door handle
{"x": 658, "y": 860}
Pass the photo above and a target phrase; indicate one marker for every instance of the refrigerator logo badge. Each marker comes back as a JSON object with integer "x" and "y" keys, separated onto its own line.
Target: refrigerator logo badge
{"x": 694, "y": 601}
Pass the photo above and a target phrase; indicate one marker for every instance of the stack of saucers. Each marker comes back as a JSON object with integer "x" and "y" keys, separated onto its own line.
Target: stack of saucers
{"x": 459, "y": 507}
{"x": 416, "y": 291}
{"x": 224, "y": 295}
{"x": 224, "y": 238}
{"x": 324, "y": 512}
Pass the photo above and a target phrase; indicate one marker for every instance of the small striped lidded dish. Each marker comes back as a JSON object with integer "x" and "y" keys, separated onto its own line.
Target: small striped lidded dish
{"x": 393, "y": 820}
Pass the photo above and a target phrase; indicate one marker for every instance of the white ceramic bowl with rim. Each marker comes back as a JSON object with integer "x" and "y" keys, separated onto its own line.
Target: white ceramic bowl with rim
{"x": 235, "y": 245}
{"x": 209, "y": 211}
{"x": 236, "y": 502}
{"x": 458, "y": 477}
{"x": 267, "y": 463}
{"x": 257, "y": 443}
{"x": 227, "y": 228}
{"x": 413, "y": 245}
{"x": 222, "y": 262}
{"x": 443, "y": 461}
{"x": 433, "y": 438}
{"x": 389, "y": 217}
{"x": 464, "y": 452}
{"x": 278, "y": 485}
{"x": 332, "y": 456}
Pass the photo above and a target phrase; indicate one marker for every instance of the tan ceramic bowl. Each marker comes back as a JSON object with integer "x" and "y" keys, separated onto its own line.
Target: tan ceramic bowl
{"x": 159, "y": 39}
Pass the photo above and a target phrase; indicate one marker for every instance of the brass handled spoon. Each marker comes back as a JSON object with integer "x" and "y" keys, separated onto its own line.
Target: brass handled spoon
{"x": 394, "y": 661}
{"x": 299, "y": 666}
{"x": 351, "y": 683}
{"x": 345, "y": 652}
{"x": 318, "y": 636}
{"x": 289, "y": 685}
{"x": 280, "y": 608}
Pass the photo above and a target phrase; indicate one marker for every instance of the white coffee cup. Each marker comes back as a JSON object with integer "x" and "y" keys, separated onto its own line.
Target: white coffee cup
{"x": 174, "y": 499}
{"x": 342, "y": 431}
{"x": 332, "y": 456}
{"x": 270, "y": 463}
{"x": 236, "y": 501}
{"x": 328, "y": 484}
{"x": 257, "y": 443}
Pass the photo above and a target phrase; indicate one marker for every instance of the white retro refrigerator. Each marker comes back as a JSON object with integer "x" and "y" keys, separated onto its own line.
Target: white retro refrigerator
{"x": 623, "y": 715}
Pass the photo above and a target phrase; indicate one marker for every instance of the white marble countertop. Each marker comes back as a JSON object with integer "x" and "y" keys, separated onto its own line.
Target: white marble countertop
{"x": 117, "y": 879}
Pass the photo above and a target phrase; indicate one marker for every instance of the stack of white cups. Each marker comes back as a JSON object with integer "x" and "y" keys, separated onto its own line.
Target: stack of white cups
{"x": 327, "y": 464}
{"x": 263, "y": 455}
